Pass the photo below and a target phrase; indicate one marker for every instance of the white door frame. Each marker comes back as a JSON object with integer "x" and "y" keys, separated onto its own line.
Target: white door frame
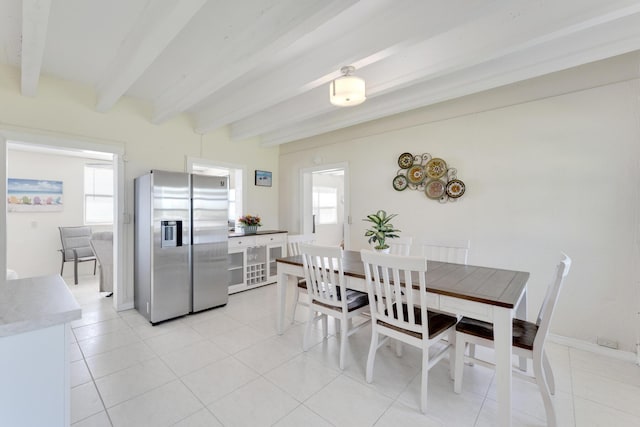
{"x": 306, "y": 221}
{"x": 49, "y": 139}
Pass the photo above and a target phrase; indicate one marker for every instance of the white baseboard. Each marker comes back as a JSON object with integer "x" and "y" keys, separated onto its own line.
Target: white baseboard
{"x": 125, "y": 306}
{"x": 626, "y": 356}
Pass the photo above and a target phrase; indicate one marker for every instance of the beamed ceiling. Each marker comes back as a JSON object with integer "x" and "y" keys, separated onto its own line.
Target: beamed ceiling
{"x": 263, "y": 67}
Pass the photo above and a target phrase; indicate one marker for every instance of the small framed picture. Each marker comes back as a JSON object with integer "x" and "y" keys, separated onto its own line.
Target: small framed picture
{"x": 263, "y": 178}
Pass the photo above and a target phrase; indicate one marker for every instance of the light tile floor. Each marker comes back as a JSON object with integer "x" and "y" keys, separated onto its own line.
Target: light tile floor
{"x": 228, "y": 367}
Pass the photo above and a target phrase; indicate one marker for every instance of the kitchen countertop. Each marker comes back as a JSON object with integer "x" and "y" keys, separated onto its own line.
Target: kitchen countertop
{"x": 258, "y": 233}
{"x": 35, "y": 303}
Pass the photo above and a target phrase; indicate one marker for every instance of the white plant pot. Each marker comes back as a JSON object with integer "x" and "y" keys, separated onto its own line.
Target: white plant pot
{"x": 383, "y": 251}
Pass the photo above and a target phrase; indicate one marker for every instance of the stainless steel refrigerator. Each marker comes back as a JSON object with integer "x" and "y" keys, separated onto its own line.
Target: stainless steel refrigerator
{"x": 180, "y": 247}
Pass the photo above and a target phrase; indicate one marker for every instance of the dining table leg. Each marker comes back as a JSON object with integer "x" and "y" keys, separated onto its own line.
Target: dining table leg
{"x": 502, "y": 335}
{"x": 281, "y": 289}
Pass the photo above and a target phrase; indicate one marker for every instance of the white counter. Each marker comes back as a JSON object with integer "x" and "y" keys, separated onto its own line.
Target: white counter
{"x": 35, "y": 332}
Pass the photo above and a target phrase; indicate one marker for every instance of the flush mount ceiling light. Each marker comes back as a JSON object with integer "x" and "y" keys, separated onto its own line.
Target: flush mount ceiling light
{"x": 347, "y": 90}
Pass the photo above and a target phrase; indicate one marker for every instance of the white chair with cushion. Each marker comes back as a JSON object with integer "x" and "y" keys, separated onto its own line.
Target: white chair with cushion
{"x": 293, "y": 249}
{"x": 102, "y": 245}
{"x": 456, "y": 251}
{"x": 76, "y": 248}
{"x": 528, "y": 341}
{"x": 400, "y": 245}
{"x": 328, "y": 295}
{"x": 400, "y": 314}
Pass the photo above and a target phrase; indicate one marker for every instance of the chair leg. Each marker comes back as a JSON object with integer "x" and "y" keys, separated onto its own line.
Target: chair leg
{"x": 61, "y": 267}
{"x": 75, "y": 271}
{"x": 296, "y": 296}
{"x": 325, "y": 326}
{"x": 459, "y": 364}
{"x": 472, "y": 352}
{"x": 425, "y": 380}
{"x": 307, "y": 332}
{"x": 548, "y": 373}
{"x": 372, "y": 354}
{"x": 344, "y": 336}
{"x": 452, "y": 352}
{"x": 398, "y": 348}
{"x": 95, "y": 264}
{"x": 538, "y": 371}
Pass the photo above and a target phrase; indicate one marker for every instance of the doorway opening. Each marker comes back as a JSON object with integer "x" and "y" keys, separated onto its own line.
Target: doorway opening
{"x": 325, "y": 207}
{"x": 89, "y": 179}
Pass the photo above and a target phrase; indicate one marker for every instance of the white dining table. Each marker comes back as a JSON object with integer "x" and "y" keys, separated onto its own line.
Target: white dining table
{"x": 484, "y": 293}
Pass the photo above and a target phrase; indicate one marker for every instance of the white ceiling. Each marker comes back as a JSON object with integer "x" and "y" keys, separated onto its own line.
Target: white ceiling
{"x": 263, "y": 67}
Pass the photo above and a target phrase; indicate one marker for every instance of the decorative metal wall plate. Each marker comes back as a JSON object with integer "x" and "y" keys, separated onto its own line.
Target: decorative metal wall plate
{"x": 430, "y": 175}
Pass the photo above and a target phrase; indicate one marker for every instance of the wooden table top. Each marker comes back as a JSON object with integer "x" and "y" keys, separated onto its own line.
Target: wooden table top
{"x": 482, "y": 284}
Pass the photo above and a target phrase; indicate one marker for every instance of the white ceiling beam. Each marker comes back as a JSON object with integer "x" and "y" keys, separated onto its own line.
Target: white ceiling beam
{"x": 614, "y": 38}
{"x": 159, "y": 23}
{"x": 499, "y": 34}
{"x": 278, "y": 27}
{"x": 363, "y": 44}
{"x": 35, "y": 19}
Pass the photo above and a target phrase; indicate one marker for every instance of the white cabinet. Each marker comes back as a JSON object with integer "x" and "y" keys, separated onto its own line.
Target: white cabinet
{"x": 252, "y": 259}
{"x": 35, "y": 332}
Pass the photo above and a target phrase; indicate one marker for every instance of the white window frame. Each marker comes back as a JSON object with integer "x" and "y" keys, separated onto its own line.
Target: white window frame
{"x": 317, "y": 207}
{"x": 87, "y": 195}
{"x": 239, "y": 177}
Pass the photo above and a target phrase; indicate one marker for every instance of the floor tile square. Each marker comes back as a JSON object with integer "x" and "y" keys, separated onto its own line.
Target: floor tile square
{"x": 163, "y": 406}
{"x": 85, "y": 402}
{"x": 218, "y": 379}
{"x": 258, "y": 403}
{"x": 302, "y": 377}
{"x": 303, "y": 416}
{"x": 346, "y": 402}
{"x": 193, "y": 357}
{"x": 133, "y": 381}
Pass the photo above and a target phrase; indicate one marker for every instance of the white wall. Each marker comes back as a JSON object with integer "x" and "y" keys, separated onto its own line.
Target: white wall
{"x": 544, "y": 176}
{"x": 33, "y": 238}
{"x": 67, "y": 110}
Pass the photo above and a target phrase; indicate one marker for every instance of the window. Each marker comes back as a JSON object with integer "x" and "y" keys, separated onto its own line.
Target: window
{"x": 98, "y": 194}
{"x": 235, "y": 174}
{"x": 325, "y": 205}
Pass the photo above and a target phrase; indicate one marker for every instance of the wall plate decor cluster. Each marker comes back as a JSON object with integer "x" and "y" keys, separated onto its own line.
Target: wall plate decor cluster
{"x": 428, "y": 174}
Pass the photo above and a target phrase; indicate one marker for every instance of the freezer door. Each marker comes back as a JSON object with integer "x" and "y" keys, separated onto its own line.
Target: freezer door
{"x": 171, "y": 282}
{"x": 209, "y": 201}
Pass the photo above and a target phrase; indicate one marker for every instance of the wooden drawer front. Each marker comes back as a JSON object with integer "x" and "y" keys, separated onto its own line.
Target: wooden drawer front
{"x": 462, "y": 307}
{"x": 268, "y": 239}
{"x": 242, "y": 242}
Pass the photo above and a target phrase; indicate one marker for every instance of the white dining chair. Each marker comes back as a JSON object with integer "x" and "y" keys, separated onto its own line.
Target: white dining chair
{"x": 400, "y": 245}
{"x": 448, "y": 250}
{"x": 293, "y": 248}
{"x": 401, "y": 314}
{"x": 328, "y": 294}
{"x": 528, "y": 341}
{"x": 456, "y": 251}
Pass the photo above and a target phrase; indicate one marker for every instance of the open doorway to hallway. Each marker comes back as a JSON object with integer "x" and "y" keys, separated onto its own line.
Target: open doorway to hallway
{"x": 51, "y": 187}
{"x": 325, "y": 207}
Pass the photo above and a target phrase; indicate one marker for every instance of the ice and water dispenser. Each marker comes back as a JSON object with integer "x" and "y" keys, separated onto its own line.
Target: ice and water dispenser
{"x": 170, "y": 234}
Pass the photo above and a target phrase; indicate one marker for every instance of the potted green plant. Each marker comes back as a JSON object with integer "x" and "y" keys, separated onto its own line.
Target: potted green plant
{"x": 381, "y": 230}
{"x": 249, "y": 223}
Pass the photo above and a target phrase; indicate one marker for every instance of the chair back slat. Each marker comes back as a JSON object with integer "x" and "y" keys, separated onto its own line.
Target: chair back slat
{"x": 551, "y": 298}
{"x": 324, "y": 274}
{"x": 400, "y": 245}
{"x": 456, "y": 251}
{"x": 294, "y": 241}
{"x": 390, "y": 280}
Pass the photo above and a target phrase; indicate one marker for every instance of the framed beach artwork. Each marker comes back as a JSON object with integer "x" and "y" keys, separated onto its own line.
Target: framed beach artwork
{"x": 34, "y": 195}
{"x": 263, "y": 178}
